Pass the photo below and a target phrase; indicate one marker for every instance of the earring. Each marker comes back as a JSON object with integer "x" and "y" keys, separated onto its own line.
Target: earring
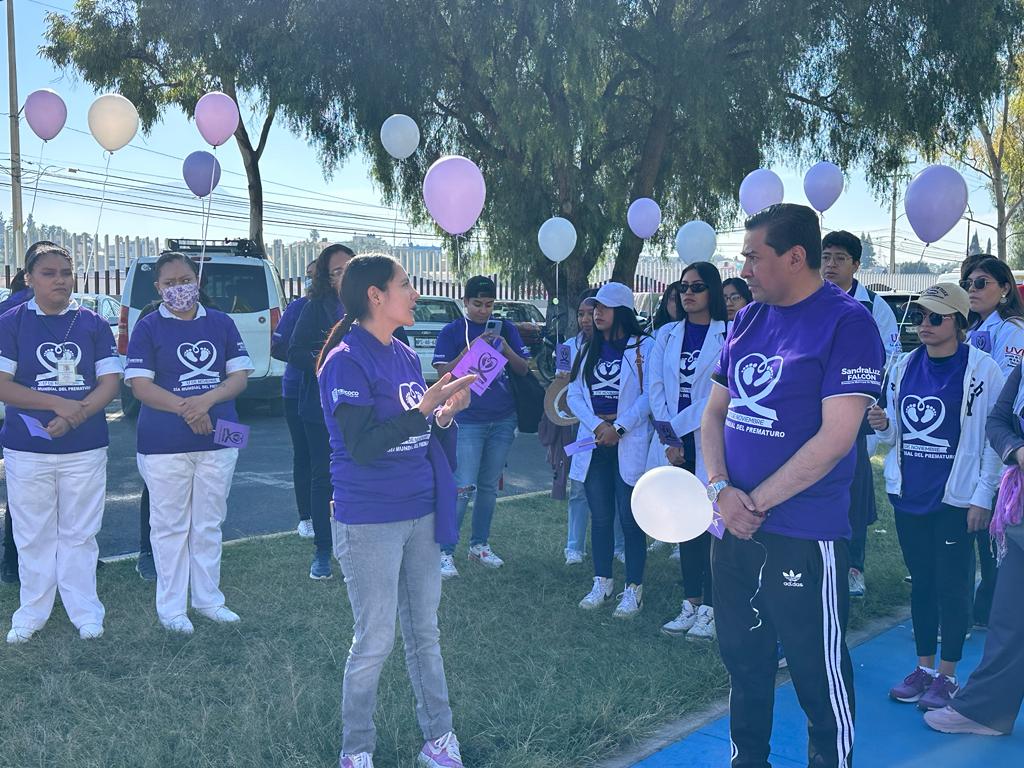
{"x": 1003, "y": 300}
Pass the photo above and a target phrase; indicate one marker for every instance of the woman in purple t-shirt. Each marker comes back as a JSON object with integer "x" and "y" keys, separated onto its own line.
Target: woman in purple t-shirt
{"x": 385, "y": 424}
{"x": 58, "y": 371}
{"x": 186, "y": 365}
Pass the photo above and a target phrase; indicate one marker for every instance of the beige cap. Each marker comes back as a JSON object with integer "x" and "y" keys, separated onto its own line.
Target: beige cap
{"x": 945, "y": 299}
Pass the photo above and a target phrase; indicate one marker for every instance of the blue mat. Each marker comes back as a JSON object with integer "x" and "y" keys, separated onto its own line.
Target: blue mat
{"x": 887, "y": 734}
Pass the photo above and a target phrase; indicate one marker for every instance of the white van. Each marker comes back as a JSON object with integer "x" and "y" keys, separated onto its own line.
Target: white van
{"x": 240, "y": 281}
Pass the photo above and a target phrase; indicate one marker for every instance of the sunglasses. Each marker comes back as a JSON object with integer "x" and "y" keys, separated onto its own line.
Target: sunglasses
{"x": 977, "y": 283}
{"x": 917, "y": 317}
{"x": 694, "y": 287}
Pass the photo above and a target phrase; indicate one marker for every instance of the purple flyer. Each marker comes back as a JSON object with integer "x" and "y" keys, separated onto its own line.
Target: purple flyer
{"x": 482, "y": 360}
{"x": 35, "y": 427}
{"x": 230, "y": 435}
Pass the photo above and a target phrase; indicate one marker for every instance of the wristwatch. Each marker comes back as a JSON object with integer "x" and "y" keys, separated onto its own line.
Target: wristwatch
{"x": 619, "y": 429}
{"x": 714, "y": 489}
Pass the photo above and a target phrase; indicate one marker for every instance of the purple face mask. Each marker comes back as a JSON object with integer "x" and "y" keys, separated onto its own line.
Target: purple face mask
{"x": 180, "y": 298}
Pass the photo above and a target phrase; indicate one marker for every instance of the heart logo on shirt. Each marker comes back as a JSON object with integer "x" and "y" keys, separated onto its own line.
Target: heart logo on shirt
{"x": 688, "y": 363}
{"x": 921, "y": 413}
{"x": 50, "y": 354}
{"x": 755, "y": 376}
{"x": 606, "y": 378}
{"x": 410, "y": 394}
{"x": 199, "y": 358}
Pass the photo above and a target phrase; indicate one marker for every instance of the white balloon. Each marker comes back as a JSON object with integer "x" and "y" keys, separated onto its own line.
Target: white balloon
{"x": 696, "y": 241}
{"x": 400, "y": 136}
{"x": 556, "y": 238}
{"x": 759, "y": 190}
{"x": 671, "y": 505}
{"x": 113, "y": 121}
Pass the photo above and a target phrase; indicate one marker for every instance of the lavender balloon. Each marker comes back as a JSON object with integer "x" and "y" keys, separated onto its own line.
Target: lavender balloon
{"x": 201, "y": 172}
{"x": 935, "y": 201}
{"x": 454, "y": 192}
{"x": 216, "y": 117}
{"x": 643, "y": 217}
{"x": 45, "y": 113}
{"x": 823, "y": 184}
{"x": 759, "y": 190}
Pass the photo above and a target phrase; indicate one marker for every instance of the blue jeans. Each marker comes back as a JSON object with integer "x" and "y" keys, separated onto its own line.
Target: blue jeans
{"x": 579, "y": 519}
{"x": 481, "y": 450}
{"x": 608, "y": 496}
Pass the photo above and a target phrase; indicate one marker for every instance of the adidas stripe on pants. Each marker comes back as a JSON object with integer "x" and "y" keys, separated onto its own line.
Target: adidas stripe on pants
{"x": 803, "y": 601}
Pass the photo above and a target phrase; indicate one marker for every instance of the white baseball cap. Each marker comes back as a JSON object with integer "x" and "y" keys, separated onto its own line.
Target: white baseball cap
{"x": 613, "y": 295}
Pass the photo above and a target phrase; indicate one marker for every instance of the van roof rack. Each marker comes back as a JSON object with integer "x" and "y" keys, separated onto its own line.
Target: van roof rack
{"x": 227, "y": 247}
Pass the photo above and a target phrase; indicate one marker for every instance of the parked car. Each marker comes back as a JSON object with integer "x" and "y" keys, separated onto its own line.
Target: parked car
{"x": 240, "y": 281}
{"x": 102, "y": 304}
{"x": 532, "y": 327}
{"x": 432, "y": 314}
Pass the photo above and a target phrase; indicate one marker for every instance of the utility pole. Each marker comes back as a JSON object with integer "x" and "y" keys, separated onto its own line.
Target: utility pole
{"x": 892, "y": 228}
{"x": 12, "y": 70}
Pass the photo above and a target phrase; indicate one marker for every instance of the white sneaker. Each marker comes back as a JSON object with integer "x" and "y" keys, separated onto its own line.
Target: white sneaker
{"x": 221, "y": 614}
{"x": 90, "y": 631}
{"x": 448, "y": 569}
{"x": 655, "y": 545}
{"x": 682, "y": 623}
{"x": 599, "y": 594}
{"x": 572, "y": 557}
{"x": 704, "y": 627}
{"x": 179, "y": 624}
{"x": 19, "y": 635}
{"x": 305, "y": 529}
{"x": 621, "y": 556}
{"x": 362, "y": 760}
{"x": 482, "y": 554}
{"x": 631, "y": 603}
{"x": 675, "y": 553}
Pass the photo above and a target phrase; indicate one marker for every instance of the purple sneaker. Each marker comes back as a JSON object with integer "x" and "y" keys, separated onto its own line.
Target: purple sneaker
{"x": 913, "y": 687}
{"x": 939, "y": 694}
{"x": 441, "y": 753}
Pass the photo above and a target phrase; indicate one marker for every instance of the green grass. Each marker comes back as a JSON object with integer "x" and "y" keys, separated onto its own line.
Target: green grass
{"x": 534, "y": 681}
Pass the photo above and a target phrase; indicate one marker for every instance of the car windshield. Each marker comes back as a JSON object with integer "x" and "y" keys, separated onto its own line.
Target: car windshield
{"x": 518, "y": 313}
{"x": 436, "y": 311}
{"x": 232, "y": 288}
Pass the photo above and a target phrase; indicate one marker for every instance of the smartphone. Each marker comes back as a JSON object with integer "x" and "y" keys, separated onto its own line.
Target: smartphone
{"x": 493, "y": 327}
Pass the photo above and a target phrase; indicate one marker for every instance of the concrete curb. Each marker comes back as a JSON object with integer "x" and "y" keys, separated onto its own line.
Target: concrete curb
{"x": 678, "y": 730}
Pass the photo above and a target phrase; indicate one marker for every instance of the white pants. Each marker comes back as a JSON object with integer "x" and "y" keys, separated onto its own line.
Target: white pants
{"x": 58, "y": 509}
{"x": 188, "y": 500}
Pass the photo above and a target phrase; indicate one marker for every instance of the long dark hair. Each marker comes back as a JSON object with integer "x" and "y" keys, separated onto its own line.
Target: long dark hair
{"x": 671, "y": 294}
{"x": 361, "y": 273}
{"x": 625, "y": 320}
{"x": 321, "y": 287}
{"x": 712, "y": 278}
{"x": 1001, "y": 273}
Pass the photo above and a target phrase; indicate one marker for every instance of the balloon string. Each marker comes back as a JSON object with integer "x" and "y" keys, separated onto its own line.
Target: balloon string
{"x": 39, "y": 173}
{"x": 760, "y": 575}
{"x": 558, "y": 324}
{"x": 457, "y": 262}
{"x": 207, "y": 208}
{"x": 99, "y": 218}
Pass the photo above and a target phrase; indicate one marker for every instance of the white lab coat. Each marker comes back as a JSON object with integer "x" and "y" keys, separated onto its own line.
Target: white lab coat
{"x": 664, "y": 388}
{"x": 633, "y": 414}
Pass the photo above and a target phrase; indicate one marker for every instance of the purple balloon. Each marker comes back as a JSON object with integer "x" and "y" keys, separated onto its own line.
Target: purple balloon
{"x": 823, "y": 184}
{"x": 935, "y": 201}
{"x": 759, "y": 190}
{"x": 45, "y": 113}
{"x": 216, "y": 117}
{"x": 454, "y": 191}
{"x": 201, "y": 172}
{"x": 643, "y": 217}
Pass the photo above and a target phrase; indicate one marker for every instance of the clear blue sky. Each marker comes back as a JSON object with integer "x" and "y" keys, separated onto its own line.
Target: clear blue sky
{"x": 292, "y": 176}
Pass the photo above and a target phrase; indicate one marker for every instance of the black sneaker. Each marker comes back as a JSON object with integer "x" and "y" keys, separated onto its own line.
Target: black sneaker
{"x": 9, "y": 572}
{"x": 145, "y": 567}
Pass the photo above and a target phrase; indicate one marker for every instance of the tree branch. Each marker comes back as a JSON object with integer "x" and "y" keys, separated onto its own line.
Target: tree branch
{"x": 843, "y": 117}
{"x": 265, "y": 132}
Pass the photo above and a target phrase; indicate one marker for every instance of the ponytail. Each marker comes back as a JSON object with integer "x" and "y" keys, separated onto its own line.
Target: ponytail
{"x": 361, "y": 273}
{"x": 338, "y": 332}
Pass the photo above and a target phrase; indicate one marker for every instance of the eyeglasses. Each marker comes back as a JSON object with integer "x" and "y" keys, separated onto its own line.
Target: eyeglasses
{"x": 977, "y": 283}
{"x": 838, "y": 259}
{"x": 694, "y": 287}
{"x": 917, "y": 317}
{"x": 732, "y": 298}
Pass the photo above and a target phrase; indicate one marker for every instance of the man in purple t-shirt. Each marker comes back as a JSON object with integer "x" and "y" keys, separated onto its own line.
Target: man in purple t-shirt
{"x": 798, "y": 370}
